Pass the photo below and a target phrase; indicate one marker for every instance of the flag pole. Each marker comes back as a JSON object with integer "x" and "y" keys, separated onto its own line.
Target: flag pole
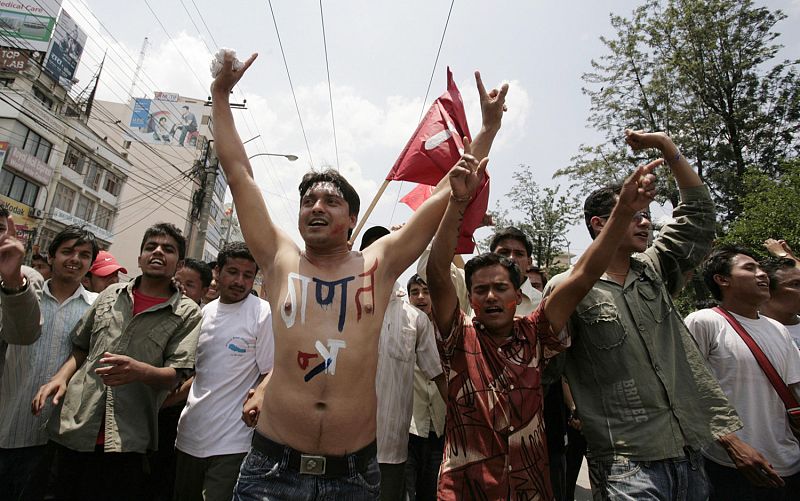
{"x": 368, "y": 211}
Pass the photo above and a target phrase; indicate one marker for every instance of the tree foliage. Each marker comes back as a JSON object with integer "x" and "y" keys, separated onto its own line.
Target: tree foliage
{"x": 545, "y": 215}
{"x": 705, "y": 72}
{"x": 770, "y": 209}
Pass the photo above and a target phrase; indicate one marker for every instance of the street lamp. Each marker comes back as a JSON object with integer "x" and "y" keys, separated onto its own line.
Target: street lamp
{"x": 290, "y": 158}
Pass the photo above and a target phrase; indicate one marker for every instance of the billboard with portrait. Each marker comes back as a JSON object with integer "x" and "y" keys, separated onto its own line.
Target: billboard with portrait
{"x": 28, "y": 24}
{"x": 167, "y": 122}
{"x": 66, "y": 48}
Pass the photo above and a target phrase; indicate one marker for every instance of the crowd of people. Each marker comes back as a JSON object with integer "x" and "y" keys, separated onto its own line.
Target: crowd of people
{"x": 485, "y": 380}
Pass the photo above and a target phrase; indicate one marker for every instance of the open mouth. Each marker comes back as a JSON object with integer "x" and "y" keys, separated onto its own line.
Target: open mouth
{"x": 157, "y": 261}
{"x": 317, "y": 222}
{"x": 489, "y": 310}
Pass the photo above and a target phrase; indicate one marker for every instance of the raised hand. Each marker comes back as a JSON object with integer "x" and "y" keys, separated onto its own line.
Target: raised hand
{"x": 12, "y": 252}
{"x": 466, "y": 174}
{"x": 640, "y": 140}
{"x": 493, "y": 103}
{"x": 639, "y": 189}
{"x": 228, "y": 77}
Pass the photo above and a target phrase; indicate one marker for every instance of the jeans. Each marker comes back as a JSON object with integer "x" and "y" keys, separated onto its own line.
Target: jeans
{"x": 674, "y": 479}
{"x": 265, "y": 479}
{"x": 17, "y": 467}
{"x": 422, "y": 466}
{"x": 728, "y": 483}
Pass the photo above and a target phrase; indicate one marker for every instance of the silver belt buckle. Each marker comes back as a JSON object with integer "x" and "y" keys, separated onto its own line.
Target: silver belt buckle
{"x": 312, "y": 465}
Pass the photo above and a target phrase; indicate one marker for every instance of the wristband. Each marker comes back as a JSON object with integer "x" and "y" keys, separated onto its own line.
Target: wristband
{"x": 14, "y": 290}
{"x": 459, "y": 200}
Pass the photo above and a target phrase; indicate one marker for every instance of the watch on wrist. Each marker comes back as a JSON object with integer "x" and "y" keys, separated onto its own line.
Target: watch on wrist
{"x": 14, "y": 290}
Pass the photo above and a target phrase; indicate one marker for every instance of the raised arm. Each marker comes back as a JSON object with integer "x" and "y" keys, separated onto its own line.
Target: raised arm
{"x": 408, "y": 243}
{"x": 685, "y": 176}
{"x": 636, "y": 194}
{"x": 262, "y": 236}
{"x": 20, "y": 317}
{"x": 463, "y": 178}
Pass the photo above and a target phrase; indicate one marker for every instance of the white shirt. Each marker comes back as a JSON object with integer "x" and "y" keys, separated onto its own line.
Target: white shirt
{"x": 29, "y": 367}
{"x": 406, "y": 338}
{"x": 429, "y": 408}
{"x": 235, "y": 347}
{"x": 794, "y": 332}
{"x": 747, "y": 388}
{"x": 530, "y": 299}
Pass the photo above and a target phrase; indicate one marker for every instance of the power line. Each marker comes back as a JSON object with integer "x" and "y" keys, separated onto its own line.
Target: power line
{"x": 330, "y": 92}
{"x": 291, "y": 86}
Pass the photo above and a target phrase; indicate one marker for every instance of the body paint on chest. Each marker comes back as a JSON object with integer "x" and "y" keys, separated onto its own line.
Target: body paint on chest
{"x": 329, "y": 355}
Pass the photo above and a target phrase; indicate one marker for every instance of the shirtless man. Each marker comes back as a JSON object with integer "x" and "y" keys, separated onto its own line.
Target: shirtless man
{"x": 315, "y": 437}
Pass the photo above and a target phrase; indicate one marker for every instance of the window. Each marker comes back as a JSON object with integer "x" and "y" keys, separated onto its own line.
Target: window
{"x": 43, "y": 98}
{"x": 18, "y": 188}
{"x": 64, "y": 198}
{"x": 6, "y": 82}
{"x": 45, "y": 239}
{"x": 112, "y": 184}
{"x": 104, "y": 217}
{"x": 37, "y": 146}
{"x": 75, "y": 160}
{"x": 126, "y": 144}
{"x": 92, "y": 179}
{"x": 85, "y": 208}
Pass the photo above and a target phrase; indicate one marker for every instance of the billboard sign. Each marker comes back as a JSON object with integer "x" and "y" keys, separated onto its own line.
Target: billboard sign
{"x": 65, "y": 51}
{"x": 15, "y": 60}
{"x": 28, "y": 165}
{"x": 166, "y": 122}
{"x": 28, "y": 24}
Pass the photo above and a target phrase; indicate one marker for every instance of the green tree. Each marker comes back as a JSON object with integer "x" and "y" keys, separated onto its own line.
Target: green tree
{"x": 544, "y": 216}
{"x": 705, "y": 72}
{"x": 770, "y": 209}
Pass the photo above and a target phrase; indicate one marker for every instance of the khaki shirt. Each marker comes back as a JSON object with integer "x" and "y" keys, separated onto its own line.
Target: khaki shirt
{"x": 162, "y": 336}
{"x": 640, "y": 384}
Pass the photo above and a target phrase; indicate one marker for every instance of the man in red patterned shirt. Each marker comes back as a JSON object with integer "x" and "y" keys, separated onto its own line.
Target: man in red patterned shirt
{"x": 495, "y": 447}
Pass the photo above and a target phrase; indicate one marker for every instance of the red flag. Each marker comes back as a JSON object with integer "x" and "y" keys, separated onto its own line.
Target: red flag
{"x": 432, "y": 151}
{"x": 437, "y": 143}
{"x": 473, "y": 216}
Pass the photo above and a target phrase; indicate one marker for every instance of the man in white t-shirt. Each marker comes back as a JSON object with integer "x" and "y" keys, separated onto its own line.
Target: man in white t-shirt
{"x": 234, "y": 354}
{"x": 784, "y": 289}
{"x": 762, "y": 460}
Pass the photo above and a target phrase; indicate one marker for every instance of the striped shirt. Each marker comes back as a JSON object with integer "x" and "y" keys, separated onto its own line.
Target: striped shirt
{"x": 29, "y": 367}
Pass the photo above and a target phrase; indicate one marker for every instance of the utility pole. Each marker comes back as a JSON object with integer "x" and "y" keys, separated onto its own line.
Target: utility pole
{"x": 209, "y": 166}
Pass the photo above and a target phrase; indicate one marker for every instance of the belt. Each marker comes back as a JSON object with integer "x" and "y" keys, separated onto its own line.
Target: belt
{"x": 314, "y": 464}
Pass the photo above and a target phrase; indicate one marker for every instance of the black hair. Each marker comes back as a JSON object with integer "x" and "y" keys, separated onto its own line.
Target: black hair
{"x": 169, "y": 230}
{"x": 772, "y": 265}
{"x": 511, "y": 233}
{"x": 491, "y": 259}
{"x": 201, "y": 268}
{"x": 415, "y": 280}
{"x": 332, "y": 176}
{"x": 79, "y": 234}
{"x": 720, "y": 262}
{"x": 39, "y": 257}
{"x": 4, "y": 211}
{"x": 600, "y": 203}
{"x": 212, "y": 264}
{"x": 234, "y": 250}
{"x": 538, "y": 270}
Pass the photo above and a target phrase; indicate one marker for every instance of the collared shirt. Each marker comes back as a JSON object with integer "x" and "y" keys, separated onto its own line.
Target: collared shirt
{"x": 495, "y": 446}
{"x": 29, "y": 367}
{"x": 639, "y": 382}
{"x": 530, "y": 299}
{"x": 162, "y": 336}
{"x": 406, "y": 338}
{"x": 429, "y": 408}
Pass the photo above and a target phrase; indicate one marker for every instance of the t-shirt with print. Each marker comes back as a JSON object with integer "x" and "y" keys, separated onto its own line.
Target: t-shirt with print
{"x": 235, "y": 347}
{"x": 747, "y": 388}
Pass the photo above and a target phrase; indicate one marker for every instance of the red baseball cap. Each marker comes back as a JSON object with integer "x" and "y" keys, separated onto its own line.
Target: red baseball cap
{"x": 105, "y": 265}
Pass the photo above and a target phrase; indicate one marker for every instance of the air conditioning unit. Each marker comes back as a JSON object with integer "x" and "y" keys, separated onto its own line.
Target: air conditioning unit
{"x": 36, "y": 213}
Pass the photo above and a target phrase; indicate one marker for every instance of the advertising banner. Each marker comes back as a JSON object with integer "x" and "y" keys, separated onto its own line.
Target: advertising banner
{"x": 15, "y": 60}
{"x": 29, "y": 165}
{"x": 65, "y": 51}
{"x": 28, "y": 24}
{"x": 167, "y": 122}
{"x": 25, "y": 225}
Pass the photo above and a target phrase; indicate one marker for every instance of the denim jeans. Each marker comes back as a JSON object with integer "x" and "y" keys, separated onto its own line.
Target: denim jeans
{"x": 422, "y": 466}
{"x": 265, "y": 479}
{"x": 678, "y": 479}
